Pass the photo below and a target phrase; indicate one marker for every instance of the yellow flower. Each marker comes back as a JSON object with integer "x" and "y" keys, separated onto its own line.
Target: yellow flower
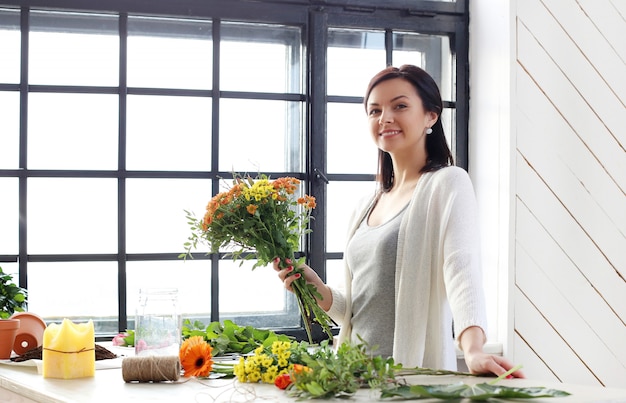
{"x": 266, "y": 361}
{"x": 254, "y": 376}
{"x": 270, "y": 375}
{"x": 279, "y": 347}
{"x": 239, "y": 370}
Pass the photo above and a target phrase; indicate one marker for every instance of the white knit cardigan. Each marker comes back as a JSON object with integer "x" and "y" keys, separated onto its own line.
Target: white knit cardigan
{"x": 438, "y": 275}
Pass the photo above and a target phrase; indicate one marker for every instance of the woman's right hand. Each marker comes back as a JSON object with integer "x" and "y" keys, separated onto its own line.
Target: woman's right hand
{"x": 289, "y": 274}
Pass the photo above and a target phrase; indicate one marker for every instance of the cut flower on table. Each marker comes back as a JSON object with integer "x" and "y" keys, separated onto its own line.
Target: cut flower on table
{"x": 263, "y": 219}
{"x": 125, "y": 339}
{"x": 269, "y": 364}
{"x": 196, "y": 357}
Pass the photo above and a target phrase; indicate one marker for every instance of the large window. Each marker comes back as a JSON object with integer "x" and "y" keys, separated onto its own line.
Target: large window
{"x": 118, "y": 117}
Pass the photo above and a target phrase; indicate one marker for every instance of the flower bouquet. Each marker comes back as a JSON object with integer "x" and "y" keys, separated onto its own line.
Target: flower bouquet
{"x": 267, "y": 218}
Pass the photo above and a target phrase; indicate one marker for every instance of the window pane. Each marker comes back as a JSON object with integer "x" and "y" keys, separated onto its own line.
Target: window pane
{"x": 334, "y": 273}
{"x": 348, "y": 135}
{"x": 75, "y": 290}
{"x": 168, "y": 133}
{"x": 274, "y": 51}
{"x": 260, "y": 136}
{"x": 9, "y": 129}
{"x": 11, "y": 269}
{"x": 415, "y": 57}
{"x": 169, "y": 53}
{"x": 272, "y": 305}
{"x": 353, "y": 58}
{"x": 192, "y": 278}
{"x": 432, "y": 53}
{"x": 9, "y": 215}
{"x": 448, "y": 120}
{"x": 342, "y": 199}
{"x": 68, "y": 215}
{"x": 72, "y": 131}
{"x": 155, "y": 212}
{"x": 73, "y": 49}
{"x": 9, "y": 46}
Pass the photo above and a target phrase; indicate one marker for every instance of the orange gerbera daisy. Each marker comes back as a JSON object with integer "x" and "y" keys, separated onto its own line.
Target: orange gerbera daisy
{"x": 196, "y": 357}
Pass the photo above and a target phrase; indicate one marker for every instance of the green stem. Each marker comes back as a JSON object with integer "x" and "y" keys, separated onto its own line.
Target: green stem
{"x": 312, "y": 310}
{"x": 309, "y": 308}
{"x": 302, "y": 305}
{"x": 223, "y": 368}
{"x": 504, "y": 375}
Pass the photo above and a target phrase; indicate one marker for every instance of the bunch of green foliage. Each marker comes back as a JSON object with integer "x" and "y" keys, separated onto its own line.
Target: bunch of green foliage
{"x": 12, "y": 297}
{"x": 340, "y": 373}
{"x": 229, "y": 338}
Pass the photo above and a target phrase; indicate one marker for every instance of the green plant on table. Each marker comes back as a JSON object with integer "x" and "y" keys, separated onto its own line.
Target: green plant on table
{"x": 13, "y": 298}
{"x": 229, "y": 338}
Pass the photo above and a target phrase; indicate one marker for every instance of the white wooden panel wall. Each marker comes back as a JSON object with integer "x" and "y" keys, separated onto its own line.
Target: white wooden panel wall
{"x": 570, "y": 190}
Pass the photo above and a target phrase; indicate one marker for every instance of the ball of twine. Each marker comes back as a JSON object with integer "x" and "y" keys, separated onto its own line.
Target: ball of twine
{"x": 151, "y": 369}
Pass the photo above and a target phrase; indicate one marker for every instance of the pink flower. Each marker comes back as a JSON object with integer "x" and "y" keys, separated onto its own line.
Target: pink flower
{"x": 119, "y": 340}
{"x": 140, "y": 346}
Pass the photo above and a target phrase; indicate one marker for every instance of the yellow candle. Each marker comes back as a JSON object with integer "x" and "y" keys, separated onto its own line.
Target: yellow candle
{"x": 69, "y": 350}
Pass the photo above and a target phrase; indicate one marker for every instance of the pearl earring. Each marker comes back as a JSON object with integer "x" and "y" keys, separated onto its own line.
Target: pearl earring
{"x": 429, "y": 130}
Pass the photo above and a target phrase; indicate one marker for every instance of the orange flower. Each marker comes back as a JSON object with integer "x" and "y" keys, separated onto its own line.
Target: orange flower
{"x": 299, "y": 368}
{"x": 251, "y": 208}
{"x": 282, "y": 381}
{"x": 196, "y": 357}
{"x": 287, "y": 183}
{"x": 308, "y": 201}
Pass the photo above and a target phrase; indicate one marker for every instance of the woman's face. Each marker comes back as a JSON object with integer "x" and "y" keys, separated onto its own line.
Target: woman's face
{"x": 396, "y": 115}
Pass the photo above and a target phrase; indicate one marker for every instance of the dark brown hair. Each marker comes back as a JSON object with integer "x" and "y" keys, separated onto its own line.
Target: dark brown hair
{"x": 438, "y": 153}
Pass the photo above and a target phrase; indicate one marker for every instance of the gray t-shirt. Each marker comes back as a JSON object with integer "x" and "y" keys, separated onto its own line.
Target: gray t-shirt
{"x": 371, "y": 256}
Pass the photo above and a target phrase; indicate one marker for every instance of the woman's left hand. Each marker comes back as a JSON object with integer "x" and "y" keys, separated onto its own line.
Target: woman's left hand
{"x": 472, "y": 340}
{"x": 483, "y": 363}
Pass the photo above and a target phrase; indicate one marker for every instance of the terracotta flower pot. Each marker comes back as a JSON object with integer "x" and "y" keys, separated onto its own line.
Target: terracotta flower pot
{"x": 30, "y": 333}
{"x": 8, "y": 330}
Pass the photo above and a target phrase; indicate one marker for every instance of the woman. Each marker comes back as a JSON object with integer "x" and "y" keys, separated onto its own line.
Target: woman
{"x": 412, "y": 273}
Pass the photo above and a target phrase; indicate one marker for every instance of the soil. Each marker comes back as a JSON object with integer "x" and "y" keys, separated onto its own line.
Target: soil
{"x": 36, "y": 354}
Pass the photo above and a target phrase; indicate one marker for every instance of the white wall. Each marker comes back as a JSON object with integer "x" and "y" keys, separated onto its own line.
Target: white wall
{"x": 548, "y": 159}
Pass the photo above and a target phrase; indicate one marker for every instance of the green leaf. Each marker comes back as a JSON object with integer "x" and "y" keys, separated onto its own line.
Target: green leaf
{"x": 315, "y": 389}
{"x": 478, "y": 392}
{"x": 12, "y": 297}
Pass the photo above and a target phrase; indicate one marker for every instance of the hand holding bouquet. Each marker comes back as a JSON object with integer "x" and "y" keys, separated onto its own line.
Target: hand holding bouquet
{"x": 265, "y": 217}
